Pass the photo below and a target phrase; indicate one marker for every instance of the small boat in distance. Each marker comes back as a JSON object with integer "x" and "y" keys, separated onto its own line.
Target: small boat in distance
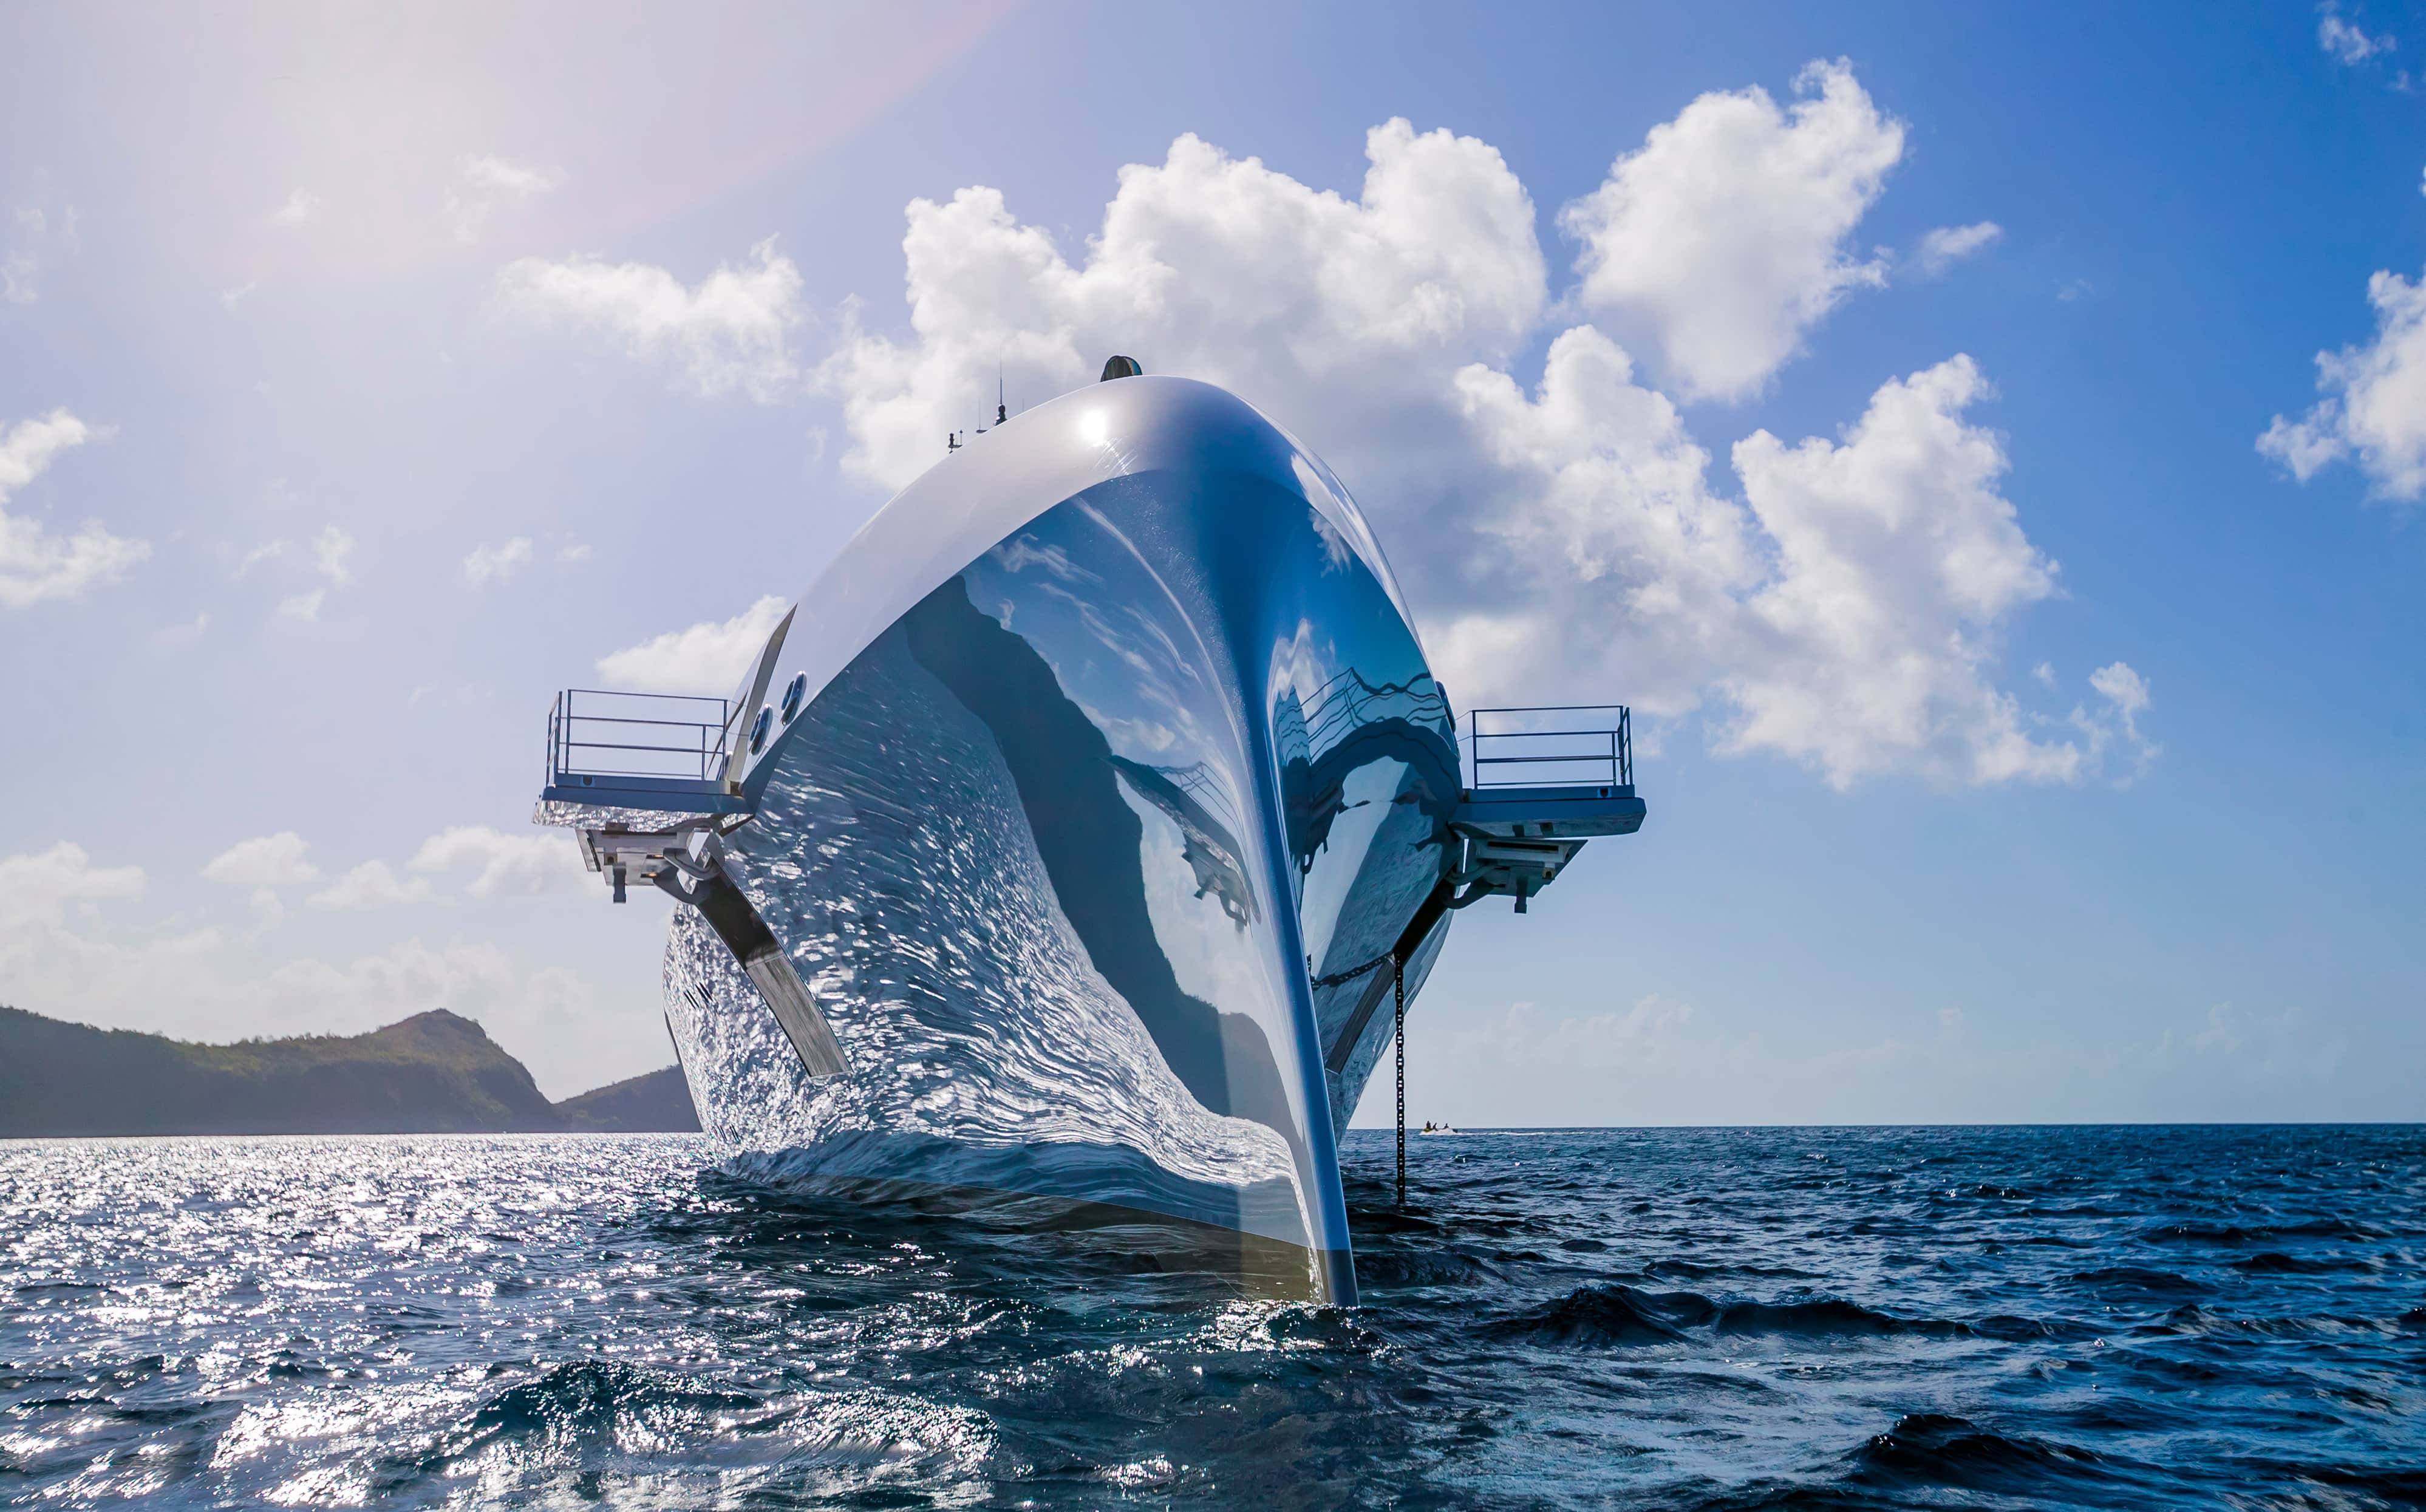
{"x": 1081, "y": 834}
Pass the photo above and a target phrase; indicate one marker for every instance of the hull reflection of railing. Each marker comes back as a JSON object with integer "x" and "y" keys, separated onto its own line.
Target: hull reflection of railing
{"x": 1584, "y": 746}
{"x": 637, "y": 749}
{"x": 1197, "y": 781}
{"x": 1347, "y": 702}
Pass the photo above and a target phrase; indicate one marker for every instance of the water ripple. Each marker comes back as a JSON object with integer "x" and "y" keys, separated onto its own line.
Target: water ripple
{"x": 1978, "y": 1318}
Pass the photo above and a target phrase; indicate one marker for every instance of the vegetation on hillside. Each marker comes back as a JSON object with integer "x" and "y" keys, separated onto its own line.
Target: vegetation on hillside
{"x": 436, "y": 1072}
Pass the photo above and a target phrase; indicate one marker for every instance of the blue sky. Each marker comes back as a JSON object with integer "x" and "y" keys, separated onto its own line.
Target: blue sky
{"x": 364, "y": 378}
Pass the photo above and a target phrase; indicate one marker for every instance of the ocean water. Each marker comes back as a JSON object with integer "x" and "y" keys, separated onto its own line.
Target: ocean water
{"x": 2115, "y": 1318}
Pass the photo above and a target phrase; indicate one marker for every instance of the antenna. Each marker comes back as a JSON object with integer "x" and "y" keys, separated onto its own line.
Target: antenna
{"x": 1001, "y": 410}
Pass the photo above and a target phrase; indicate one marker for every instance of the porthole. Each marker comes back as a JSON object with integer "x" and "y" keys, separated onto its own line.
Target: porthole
{"x": 794, "y": 692}
{"x": 758, "y": 728}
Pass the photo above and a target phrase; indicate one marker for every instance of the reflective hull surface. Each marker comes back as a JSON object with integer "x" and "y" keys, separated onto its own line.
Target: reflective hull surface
{"x": 1093, "y": 854}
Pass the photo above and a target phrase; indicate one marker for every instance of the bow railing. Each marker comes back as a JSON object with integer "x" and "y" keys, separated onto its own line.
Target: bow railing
{"x": 637, "y": 749}
{"x": 1551, "y": 745}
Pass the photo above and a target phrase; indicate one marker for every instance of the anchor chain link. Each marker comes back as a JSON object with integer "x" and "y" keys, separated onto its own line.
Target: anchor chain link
{"x": 1398, "y": 1037}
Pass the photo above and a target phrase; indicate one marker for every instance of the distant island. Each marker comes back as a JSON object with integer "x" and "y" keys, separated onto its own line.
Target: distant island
{"x": 436, "y": 1072}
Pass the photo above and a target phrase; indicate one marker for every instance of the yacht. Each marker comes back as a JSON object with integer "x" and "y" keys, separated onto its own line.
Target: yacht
{"x": 1081, "y": 834}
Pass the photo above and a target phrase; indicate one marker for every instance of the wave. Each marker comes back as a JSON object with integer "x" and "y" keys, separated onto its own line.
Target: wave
{"x": 2013, "y": 1329}
{"x": 1436, "y": 1267}
{"x": 2191, "y": 1318}
{"x": 1935, "y": 1449}
{"x": 2385, "y": 1487}
{"x": 1829, "y": 1317}
{"x": 657, "y": 1333}
{"x": 2233, "y": 1234}
{"x": 583, "y": 1399}
{"x": 1694, "y": 1270}
{"x": 1601, "y": 1314}
{"x": 2136, "y": 1279}
{"x": 2274, "y": 1262}
{"x": 1609, "y": 1313}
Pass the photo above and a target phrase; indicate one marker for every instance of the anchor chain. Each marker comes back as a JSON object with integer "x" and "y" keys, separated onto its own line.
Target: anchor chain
{"x": 1398, "y": 1037}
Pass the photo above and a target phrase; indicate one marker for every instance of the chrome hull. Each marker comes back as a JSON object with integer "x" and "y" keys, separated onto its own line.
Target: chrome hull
{"x": 1092, "y": 857}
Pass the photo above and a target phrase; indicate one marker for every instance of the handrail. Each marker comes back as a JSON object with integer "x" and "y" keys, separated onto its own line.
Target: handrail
{"x": 609, "y": 745}
{"x": 1610, "y": 764}
{"x": 624, "y": 693}
{"x": 581, "y": 719}
{"x": 634, "y": 719}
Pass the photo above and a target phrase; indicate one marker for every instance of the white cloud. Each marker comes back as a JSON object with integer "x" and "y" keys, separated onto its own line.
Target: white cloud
{"x": 1649, "y": 1033}
{"x": 2374, "y": 406}
{"x": 2124, "y": 688}
{"x": 372, "y": 885}
{"x": 497, "y": 564}
{"x": 267, "y": 861}
{"x": 330, "y": 548}
{"x": 35, "y": 564}
{"x": 706, "y": 659}
{"x": 732, "y": 331}
{"x": 36, "y": 237}
{"x": 268, "y": 910}
{"x": 1565, "y": 542}
{"x": 21, "y": 262}
{"x": 1595, "y": 511}
{"x": 2291, "y": 1043}
{"x": 1947, "y": 244}
{"x": 503, "y": 865}
{"x": 2125, "y": 694}
{"x": 36, "y": 888}
{"x": 61, "y": 953}
{"x": 74, "y": 943}
{"x": 182, "y": 635}
{"x": 489, "y": 182}
{"x": 231, "y": 298}
{"x": 1721, "y": 240}
{"x": 569, "y": 556}
{"x": 1897, "y": 557}
{"x": 1303, "y": 301}
{"x": 297, "y": 210}
{"x": 1847, "y": 619}
{"x": 2345, "y": 43}
{"x": 499, "y": 176}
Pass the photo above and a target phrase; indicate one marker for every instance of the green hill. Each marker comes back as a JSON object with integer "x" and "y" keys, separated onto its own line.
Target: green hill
{"x": 658, "y": 1100}
{"x": 436, "y": 1072}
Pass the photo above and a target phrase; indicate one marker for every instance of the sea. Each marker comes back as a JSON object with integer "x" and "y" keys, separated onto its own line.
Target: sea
{"x": 1712, "y": 1318}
